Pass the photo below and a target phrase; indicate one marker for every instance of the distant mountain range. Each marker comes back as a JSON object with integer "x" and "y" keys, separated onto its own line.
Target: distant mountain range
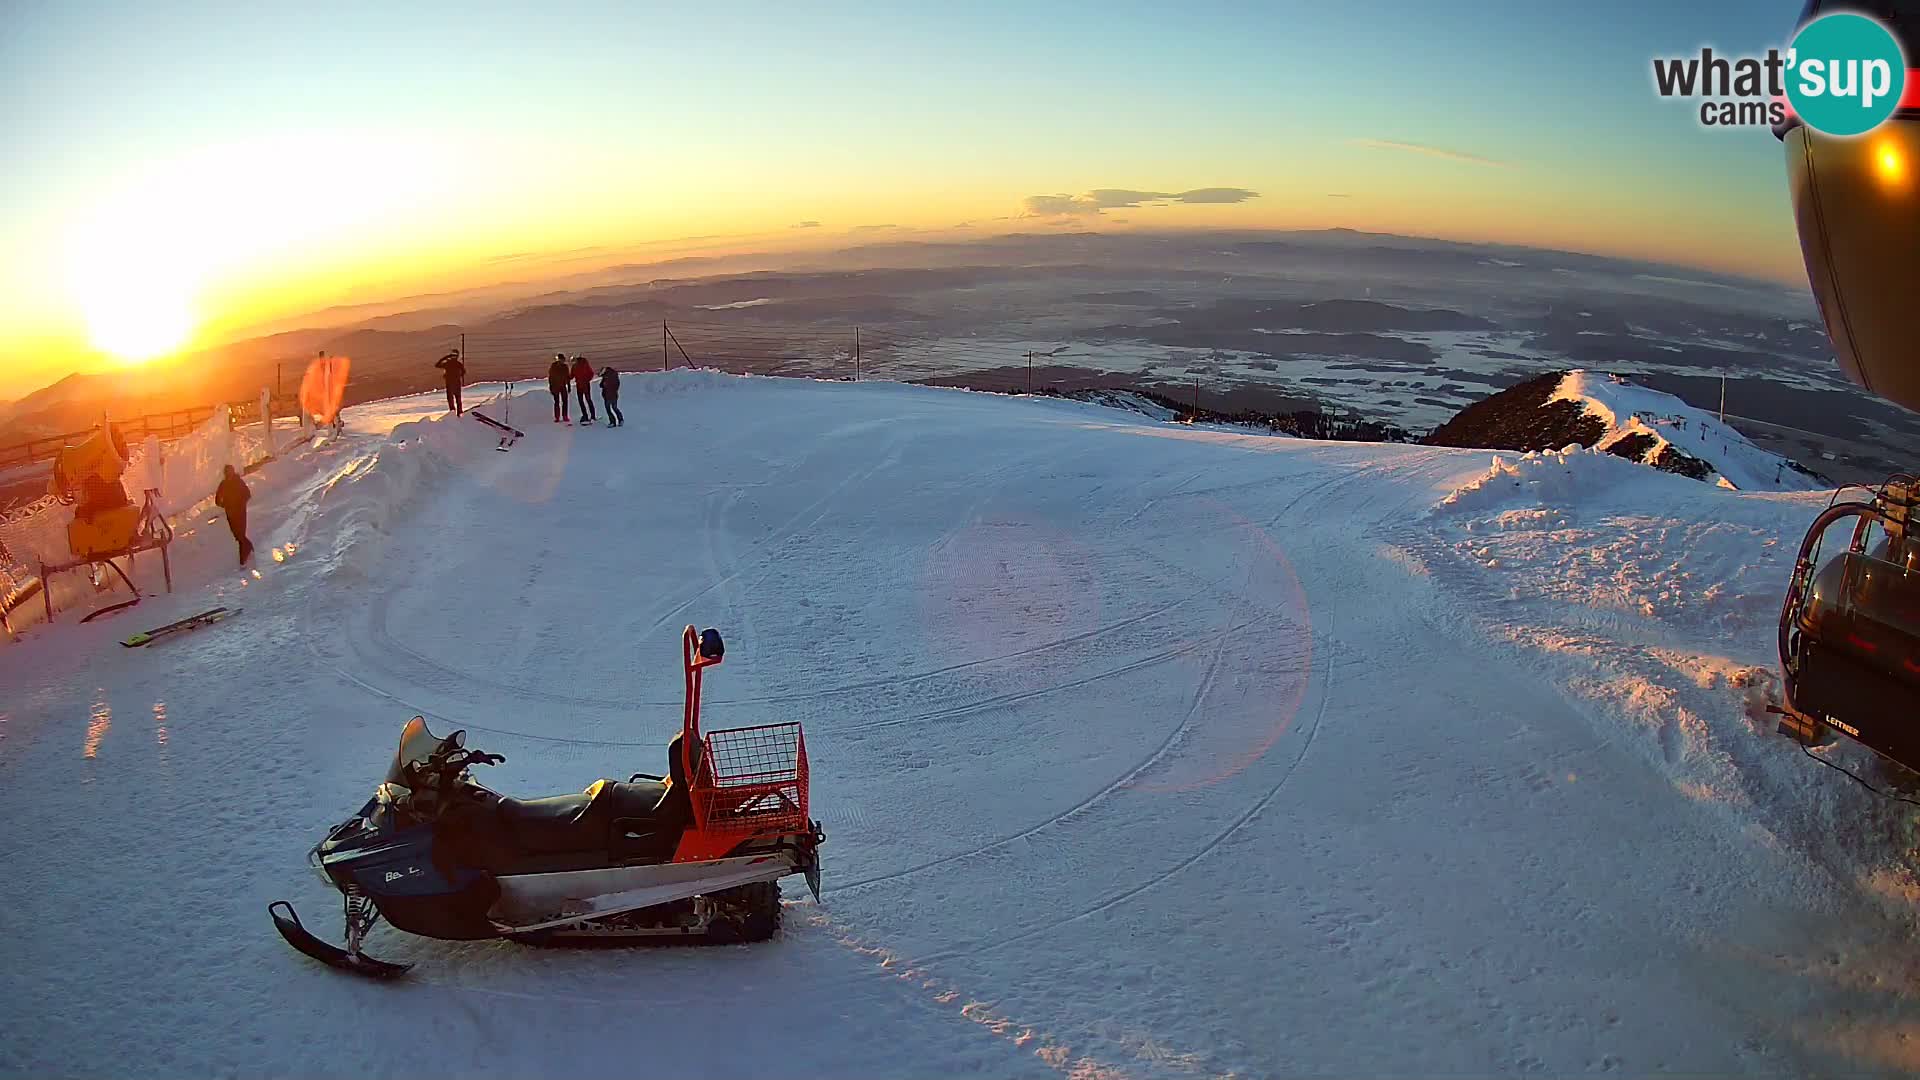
{"x": 1193, "y": 290}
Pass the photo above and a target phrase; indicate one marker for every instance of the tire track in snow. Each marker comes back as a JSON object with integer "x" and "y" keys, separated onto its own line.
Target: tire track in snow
{"x": 445, "y": 678}
{"x": 813, "y": 513}
{"x": 999, "y": 700}
{"x": 783, "y": 697}
{"x": 1173, "y": 738}
{"x": 1206, "y": 849}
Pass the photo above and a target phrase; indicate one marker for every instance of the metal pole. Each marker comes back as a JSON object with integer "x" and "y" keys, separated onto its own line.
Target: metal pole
{"x": 1723, "y": 399}
{"x": 663, "y": 344}
{"x": 1029, "y": 371}
{"x": 856, "y": 354}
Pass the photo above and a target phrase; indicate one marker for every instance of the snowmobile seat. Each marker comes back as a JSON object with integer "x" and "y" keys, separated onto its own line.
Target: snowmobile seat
{"x": 584, "y": 822}
{"x": 555, "y": 824}
{"x": 615, "y": 800}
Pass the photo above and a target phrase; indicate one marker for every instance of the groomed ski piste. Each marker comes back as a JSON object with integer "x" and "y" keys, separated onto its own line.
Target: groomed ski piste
{"x": 1142, "y": 750}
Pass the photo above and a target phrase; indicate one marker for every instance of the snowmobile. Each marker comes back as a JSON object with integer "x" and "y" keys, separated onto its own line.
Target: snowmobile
{"x": 1850, "y": 629}
{"x": 697, "y": 853}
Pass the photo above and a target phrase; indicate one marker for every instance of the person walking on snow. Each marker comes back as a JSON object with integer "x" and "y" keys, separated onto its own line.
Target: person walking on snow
{"x": 557, "y": 386}
{"x": 610, "y": 396}
{"x": 456, "y": 373}
{"x": 232, "y": 496}
{"x": 583, "y": 385}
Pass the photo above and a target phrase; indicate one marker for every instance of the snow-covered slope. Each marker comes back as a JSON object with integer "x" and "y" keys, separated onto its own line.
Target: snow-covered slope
{"x": 1609, "y": 413}
{"x": 1651, "y": 427}
{"x": 1143, "y": 750}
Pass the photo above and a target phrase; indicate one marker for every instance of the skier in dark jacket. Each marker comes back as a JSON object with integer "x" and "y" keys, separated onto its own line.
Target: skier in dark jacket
{"x": 232, "y": 496}
{"x": 610, "y": 396}
{"x": 583, "y": 385}
{"x": 456, "y": 374}
{"x": 557, "y": 386}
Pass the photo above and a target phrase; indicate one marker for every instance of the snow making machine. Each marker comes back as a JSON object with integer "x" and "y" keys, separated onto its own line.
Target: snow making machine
{"x": 695, "y": 854}
{"x": 1850, "y": 626}
{"x": 106, "y": 524}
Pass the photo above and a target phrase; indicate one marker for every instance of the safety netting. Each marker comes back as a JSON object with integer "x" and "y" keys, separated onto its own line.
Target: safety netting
{"x": 181, "y": 472}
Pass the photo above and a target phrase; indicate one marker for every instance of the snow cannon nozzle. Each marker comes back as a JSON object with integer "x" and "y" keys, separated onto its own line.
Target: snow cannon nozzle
{"x": 711, "y": 647}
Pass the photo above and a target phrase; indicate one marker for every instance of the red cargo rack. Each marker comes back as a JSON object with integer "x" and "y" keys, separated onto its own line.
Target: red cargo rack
{"x": 753, "y": 780}
{"x": 746, "y": 782}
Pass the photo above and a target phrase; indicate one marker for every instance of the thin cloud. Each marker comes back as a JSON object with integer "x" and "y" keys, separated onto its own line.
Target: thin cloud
{"x": 1338, "y": 195}
{"x": 1099, "y": 200}
{"x": 1429, "y": 151}
{"x": 804, "y": 225}
{"x": 1216, "y": 195}
{"x": 874, "y": 228}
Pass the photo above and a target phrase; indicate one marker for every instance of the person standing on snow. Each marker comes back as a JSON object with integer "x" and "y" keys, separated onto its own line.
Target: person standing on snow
{"x": 557, "y": 386}
{"x": 583, "y": 385}
{"x": 610, "y": 396}
{"x": 456, "y": 374}
{"x": 232, "y": 496}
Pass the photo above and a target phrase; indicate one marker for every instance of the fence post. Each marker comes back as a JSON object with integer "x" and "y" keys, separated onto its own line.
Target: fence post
{"x": 266, "y": 420}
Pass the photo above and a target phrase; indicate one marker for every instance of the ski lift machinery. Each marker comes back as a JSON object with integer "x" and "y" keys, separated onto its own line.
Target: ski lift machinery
{"x": 1850, "y": 626}
{"x": 1849, "y": 634}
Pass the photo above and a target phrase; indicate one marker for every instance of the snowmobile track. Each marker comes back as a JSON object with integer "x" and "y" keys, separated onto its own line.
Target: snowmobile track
{"x": 433, "y": 675}
{"x": 1124, "y": 780}
{"x": 813, "y": 513}
{"x": 999, "y": 700}
{"x": 1206, "y": 849}
{"x": 495, "y": 687}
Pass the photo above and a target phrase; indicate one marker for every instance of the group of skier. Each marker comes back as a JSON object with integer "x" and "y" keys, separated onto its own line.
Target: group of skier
{"x": 580, "y": 374}
{"x": 560, "y": 373}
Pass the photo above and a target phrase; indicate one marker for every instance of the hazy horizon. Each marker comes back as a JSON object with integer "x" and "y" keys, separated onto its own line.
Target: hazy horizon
{"x": 201, "y": 172}
{"x": 535, "y": 273}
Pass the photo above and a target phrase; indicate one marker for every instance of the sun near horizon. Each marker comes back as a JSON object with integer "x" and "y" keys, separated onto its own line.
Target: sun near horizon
{"x": 198, "y": 173}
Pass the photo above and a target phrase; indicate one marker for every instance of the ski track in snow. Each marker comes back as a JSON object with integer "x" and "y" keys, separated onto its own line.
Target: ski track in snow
{"x": 1143, "y": 750}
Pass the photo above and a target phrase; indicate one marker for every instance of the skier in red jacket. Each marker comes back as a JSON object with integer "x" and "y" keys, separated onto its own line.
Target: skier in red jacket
{"x": 583, "y": 386}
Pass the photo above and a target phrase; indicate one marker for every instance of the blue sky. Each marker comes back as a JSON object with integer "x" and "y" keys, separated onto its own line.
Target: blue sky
{"x": 558, "y": 124}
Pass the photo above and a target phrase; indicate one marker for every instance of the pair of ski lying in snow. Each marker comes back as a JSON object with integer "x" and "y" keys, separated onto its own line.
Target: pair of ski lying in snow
{"x": 697, "y": 853}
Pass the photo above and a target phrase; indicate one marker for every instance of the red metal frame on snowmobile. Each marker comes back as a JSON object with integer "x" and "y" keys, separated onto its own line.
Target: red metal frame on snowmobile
{"x": 743, "y": 783}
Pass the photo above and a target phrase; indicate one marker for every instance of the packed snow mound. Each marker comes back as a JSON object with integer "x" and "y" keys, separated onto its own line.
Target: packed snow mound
{"x": 1127, "y": 400}
{"x": 365, "y": 498}
{"x": 1610, "y": 414}
{"x": 1661, "y": 430}
{"x": 1546, "y": 478}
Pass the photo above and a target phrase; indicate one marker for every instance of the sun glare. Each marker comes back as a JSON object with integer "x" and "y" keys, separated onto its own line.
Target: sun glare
{"x": 137, "y": 325}
{"x": 133, "y": 286}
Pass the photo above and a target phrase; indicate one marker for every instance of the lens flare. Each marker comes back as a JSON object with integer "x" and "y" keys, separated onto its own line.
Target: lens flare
{"x": 1889, "y": 164}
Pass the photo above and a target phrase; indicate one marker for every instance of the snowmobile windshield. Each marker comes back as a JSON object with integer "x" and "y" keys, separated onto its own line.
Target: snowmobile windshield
{"x": 417, "y": 744}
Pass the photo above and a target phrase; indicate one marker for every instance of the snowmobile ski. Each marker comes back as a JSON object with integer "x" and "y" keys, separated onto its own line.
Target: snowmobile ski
{"x": 191, "y": 622}
{"x": 331, "y": 955}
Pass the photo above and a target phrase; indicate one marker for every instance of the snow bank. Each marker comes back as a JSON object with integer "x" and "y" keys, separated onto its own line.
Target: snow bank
{"x": 186, "y": 471}
{"x": 1652, "y": 424}
{"x": 1126, "y": 400}
{"x": 367, "y": 496}
{"x": 1561, "y": 477}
